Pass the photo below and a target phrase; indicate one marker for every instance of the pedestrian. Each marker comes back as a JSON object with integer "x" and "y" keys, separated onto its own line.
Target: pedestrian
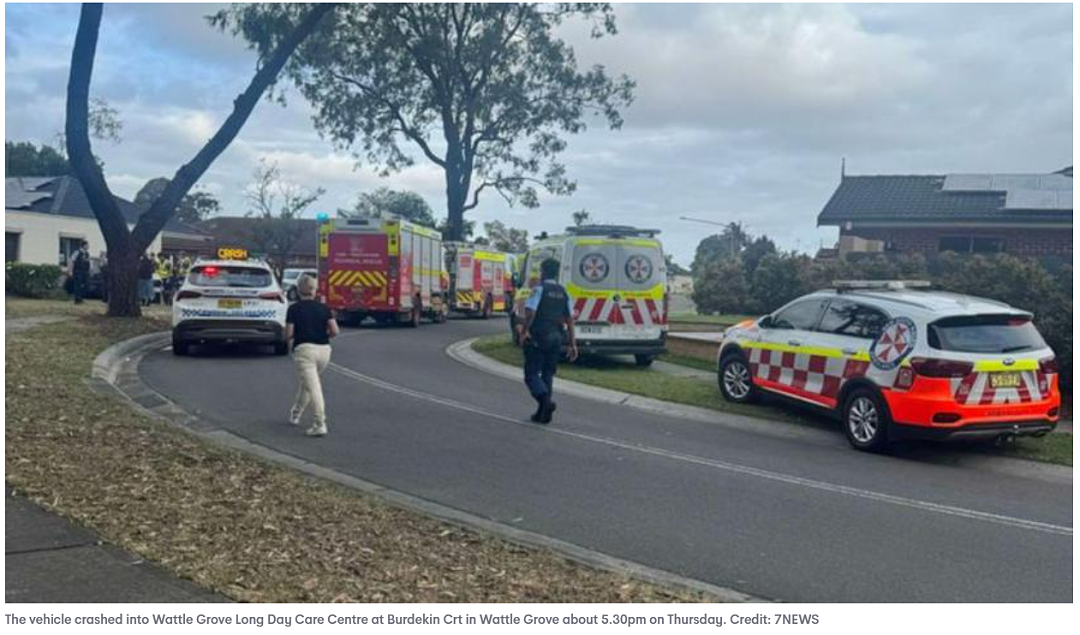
{"x": 146, "y": 279}
{"x": 103, "y": 268}
{"x": 309, "y": 325}
{"x": 549, "y": 321}
{"x": 80, "y": 272}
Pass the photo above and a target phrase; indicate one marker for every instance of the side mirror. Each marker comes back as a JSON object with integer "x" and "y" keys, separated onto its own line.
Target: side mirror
{"x": 766, "y": 322}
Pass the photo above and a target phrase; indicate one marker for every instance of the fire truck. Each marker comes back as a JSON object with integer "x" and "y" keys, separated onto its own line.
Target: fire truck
{"x": 481, "y": 280}
{"x": 387, "y": 269}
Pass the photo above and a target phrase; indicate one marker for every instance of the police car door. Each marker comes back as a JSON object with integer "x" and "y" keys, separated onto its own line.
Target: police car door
{"x": 783, "y": 360}
{"x": 641, "y": 274}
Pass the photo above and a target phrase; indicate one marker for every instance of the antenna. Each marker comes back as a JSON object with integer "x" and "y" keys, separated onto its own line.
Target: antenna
{"x": 843, "y": 167}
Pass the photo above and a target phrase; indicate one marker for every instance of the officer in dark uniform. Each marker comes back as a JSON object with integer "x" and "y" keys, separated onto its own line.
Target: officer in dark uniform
{"x": 548, "y": 315}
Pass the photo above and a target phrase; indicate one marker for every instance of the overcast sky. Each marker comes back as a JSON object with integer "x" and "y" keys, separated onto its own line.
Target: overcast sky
{"x": 742, "y": 112}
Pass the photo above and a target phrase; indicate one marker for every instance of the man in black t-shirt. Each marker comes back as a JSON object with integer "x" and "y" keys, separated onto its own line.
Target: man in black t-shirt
{"x": 309, "y": 325}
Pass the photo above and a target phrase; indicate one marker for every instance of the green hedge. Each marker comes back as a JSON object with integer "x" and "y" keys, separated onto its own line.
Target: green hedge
{"x": 33, "y": 281}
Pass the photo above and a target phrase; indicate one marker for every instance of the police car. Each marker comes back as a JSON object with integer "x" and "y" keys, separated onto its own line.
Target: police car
{"x": 229, "y": 300}
{"x": 895, "y": 361}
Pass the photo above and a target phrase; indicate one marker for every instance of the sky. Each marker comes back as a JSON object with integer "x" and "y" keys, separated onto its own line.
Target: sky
{"x": 741, "y": 113}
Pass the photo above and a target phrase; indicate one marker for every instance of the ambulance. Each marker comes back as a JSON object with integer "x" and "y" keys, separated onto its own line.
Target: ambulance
{"x": 617, "y": 279}
{"x": 387, "y": 269}
{"x": 480, "y": 279}
{"x": 894, "y": 360}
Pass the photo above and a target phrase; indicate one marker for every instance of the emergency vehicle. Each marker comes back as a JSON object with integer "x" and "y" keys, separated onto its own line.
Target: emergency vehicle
{"x": 388, "y": 269}
{"x": 229, "y": 300}
{"x": 481, "y": 280}
{"x": 893, "y": 362}
{"x": 617, "y": 280}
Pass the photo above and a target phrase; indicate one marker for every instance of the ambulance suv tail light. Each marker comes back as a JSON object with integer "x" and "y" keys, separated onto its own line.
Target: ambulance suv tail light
{"x": 187, "y": 295}
{"x": 905, "y": 378}
{"x": 271, "y": 295}
{"x": 1048, "y": 365}
{"x": 941, "y": 367}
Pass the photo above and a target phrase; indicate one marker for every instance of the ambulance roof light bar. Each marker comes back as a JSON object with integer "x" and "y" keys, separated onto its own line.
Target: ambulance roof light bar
{"x": 879, "y": 285}
{"x": 610, "y": 230}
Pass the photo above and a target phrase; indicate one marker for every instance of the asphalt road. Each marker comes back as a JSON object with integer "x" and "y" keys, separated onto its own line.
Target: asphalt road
{"x": 794, "y": 519}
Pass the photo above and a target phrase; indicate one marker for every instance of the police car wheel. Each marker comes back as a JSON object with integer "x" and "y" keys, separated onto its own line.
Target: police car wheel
{"x": 866, "y": 421}
{"x": 735, "y": 383}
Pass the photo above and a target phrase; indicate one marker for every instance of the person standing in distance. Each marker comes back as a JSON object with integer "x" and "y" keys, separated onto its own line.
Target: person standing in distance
{"x": 80, "y": 272}
{"x": 548, "y": 313}
{"x": 309, "y": 325}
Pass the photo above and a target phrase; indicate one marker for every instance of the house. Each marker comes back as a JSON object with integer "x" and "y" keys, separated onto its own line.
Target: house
{"x": 46, "y": 218}
{"x": 1020, "y": 214}
{"x": 290, "y": 244}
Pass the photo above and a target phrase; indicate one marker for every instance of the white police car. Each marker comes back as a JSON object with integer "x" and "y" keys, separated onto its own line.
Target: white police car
{"x": 893, "y": 361}
{"x": 229, "y": 301}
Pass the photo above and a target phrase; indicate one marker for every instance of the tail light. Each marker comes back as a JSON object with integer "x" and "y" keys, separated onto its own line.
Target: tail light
{"x": 905, "y": 378}
{"x": 1048, "y": 365}
{"x": 187, "y": 295}
{"x": 941, "y": 367}
{"x": 272, "y": 295}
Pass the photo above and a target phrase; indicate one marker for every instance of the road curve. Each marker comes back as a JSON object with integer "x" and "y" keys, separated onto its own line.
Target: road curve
{"x": 795, "y": 519}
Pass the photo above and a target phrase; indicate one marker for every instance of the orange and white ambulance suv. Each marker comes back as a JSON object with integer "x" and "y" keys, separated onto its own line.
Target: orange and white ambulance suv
{"x": 481, "y": 280}
{"x": 388, "y": 269}
{"x": 617, "y": 279}
{"x": 895, "y": 362}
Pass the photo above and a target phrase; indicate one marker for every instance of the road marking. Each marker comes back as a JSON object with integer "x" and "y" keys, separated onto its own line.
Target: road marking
{"x": 948, "y": 510}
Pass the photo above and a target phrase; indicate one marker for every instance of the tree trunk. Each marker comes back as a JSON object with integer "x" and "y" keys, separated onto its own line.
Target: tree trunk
{"x": 123, "y": 284}
{"x": 455, "y": 203}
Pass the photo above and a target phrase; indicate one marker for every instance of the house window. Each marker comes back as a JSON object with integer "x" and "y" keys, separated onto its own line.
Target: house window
{"x": 68, "y": 247}
{"x": 11, "y": 246}
{"x": 971, "y": 244}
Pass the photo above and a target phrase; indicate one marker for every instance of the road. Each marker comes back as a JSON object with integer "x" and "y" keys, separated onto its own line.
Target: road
{"x": 794, "y": 519}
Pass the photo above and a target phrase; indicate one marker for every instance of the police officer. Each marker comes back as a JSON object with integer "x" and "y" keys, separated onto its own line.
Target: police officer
{"x": 547, "y": 313}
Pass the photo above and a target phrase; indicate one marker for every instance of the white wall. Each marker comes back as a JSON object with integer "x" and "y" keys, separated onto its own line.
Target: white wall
{"x": 39, "y": 240}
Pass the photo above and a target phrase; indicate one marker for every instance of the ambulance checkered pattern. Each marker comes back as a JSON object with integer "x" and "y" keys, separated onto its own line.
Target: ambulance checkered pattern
{"x": 641, "y": 312}
{"x": 814, "y": 374}
{"x": 357, "y": 278}
{"x": 976, "y": 389}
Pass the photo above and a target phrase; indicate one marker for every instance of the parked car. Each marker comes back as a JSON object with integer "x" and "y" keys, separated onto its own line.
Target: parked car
{"x": 290, "y": 277}
{"x": 893, "y": 361}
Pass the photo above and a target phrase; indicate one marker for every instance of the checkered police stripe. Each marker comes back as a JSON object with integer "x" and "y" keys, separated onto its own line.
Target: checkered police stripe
{"x": 261, "y": 314}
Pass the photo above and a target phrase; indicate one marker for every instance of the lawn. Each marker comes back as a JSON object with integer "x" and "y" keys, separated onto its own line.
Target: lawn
{"x": 698, "y": 318}
{"x": 618, "y": 374}
{"x": 248, "y": 529}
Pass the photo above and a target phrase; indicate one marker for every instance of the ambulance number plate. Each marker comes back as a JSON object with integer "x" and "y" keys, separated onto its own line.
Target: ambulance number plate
{"x": 1005, "y": 380}
{"x": 229, "y": 303}
{"x": 589, "y": 329}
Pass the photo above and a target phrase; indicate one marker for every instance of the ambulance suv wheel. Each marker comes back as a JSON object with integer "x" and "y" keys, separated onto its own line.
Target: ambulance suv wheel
{"x": 736, "y": 384}
{"x": 866, "y": 420}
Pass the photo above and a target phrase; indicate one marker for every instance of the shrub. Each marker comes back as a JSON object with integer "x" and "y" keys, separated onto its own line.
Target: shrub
{"x": 721, "y": 287}
{"x": 33, "y": 281}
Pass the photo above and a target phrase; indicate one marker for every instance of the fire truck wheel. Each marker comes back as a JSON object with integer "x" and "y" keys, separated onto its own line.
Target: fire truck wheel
{"x": 734, "y": 377}
{"x": 866, "y": 420}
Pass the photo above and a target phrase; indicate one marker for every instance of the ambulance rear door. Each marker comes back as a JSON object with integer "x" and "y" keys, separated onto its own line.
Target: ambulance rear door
{"x": 641, "y": 281}
{"x": 593, "y": 286}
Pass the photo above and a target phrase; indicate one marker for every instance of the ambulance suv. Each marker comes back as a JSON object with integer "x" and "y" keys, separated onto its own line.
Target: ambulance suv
{"x": 229, "y": 301}
{"x": 894, "y": 362}
{"x": 616, "y": 277}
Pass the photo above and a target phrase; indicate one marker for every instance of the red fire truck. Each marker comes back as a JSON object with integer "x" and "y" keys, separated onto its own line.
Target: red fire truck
{"x": 390, "y": 270}
{"x": 481, "y": 280}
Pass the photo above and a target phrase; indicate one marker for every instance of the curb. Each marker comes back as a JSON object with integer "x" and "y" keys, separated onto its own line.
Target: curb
{"x": 115, "y": 371}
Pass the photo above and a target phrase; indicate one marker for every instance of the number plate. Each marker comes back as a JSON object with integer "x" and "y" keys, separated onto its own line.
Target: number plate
{"x": 229, "y": 303}
{"x": 589, "y": 330}
{"x": 1005, "y": 380}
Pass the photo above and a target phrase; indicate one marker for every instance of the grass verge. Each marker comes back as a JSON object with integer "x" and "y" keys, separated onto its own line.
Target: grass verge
{"x": 725, "y": 319}
{"x": 248, "y": 529}
{"x": 623, "y": 375}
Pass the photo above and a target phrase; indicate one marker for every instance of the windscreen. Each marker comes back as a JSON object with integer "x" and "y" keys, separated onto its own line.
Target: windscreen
{"x": 985, "y": 334}
{"x": 243, "y": 277}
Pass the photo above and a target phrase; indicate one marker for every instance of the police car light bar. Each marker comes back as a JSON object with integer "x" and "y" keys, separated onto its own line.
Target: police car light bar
{"x": 886, "y": 285}
{"x": 610, "y": 230}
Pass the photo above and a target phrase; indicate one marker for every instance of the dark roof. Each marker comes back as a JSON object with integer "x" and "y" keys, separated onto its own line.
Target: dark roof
{"x": 64, "y": 196}
{"x": 239, "y": 231}
{"x": 921, "y": 198}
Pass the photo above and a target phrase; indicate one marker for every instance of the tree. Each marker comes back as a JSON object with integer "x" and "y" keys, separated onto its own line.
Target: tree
{"x": 124, "y": 245}
{"x": 755, "y": 250}
{"x": 505, "y": 238}
{"x": 581, "y": 217}
{"x": 387, "y": 203}
{"x": 194, "y": 207}
{"x": 492, "y": 80}
{"x": 22, "y": 158}
{"x": 674, "y": 268}
{"x": 277, "y": 207}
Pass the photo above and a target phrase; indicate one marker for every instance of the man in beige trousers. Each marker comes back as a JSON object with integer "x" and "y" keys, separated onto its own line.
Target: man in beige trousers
{"x": 309, "y": 325}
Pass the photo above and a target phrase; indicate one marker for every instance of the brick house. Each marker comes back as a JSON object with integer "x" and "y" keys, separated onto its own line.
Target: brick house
{"x": 1020, "y": 214}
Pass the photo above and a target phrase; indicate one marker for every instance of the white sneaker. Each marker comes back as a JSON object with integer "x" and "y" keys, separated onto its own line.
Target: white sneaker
{"x": 317, "y": 430}
{"x": 294, "y": 418}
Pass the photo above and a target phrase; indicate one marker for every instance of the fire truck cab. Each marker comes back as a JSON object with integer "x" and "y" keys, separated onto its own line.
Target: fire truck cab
{"x": 481, "y": 279}
{"x": 387, "y": 269}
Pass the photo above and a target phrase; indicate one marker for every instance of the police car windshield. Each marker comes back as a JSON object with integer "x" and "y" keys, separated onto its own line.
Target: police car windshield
{"x": 985, "y": 334}
{"x": 231, "y": 276}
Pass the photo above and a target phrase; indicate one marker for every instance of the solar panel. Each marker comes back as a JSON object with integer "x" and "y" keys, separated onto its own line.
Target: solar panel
{"x": 19, "y": 192}
{"x": 1022, "y": 191}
